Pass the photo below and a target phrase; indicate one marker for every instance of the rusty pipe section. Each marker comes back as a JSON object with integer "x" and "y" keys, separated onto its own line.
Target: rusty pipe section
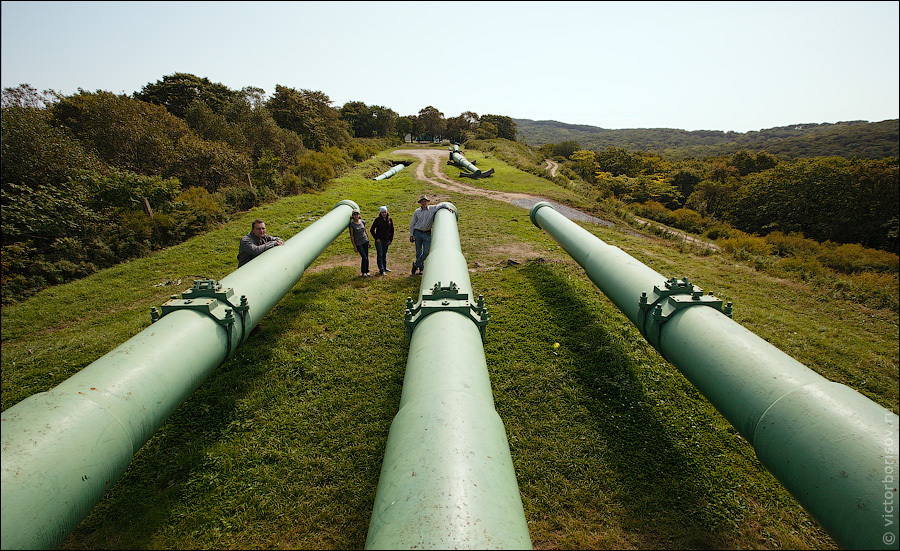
{"x": 447, "y": 481}
{"x": 831, "y": 447}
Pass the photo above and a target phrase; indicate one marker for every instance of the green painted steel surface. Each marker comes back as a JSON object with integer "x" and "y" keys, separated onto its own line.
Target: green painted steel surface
{"x": 832, "y": 448}
{"x": 62, "y": 449}
{"x": 391, "y": 172}
{"x": 447, "y": 481}
{"x": 457, "y": 158}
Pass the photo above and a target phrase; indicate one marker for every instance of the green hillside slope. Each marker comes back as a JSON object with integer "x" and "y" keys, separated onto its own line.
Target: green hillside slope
{"x": 281, "y": 447}
{"x": 866, "y": 140}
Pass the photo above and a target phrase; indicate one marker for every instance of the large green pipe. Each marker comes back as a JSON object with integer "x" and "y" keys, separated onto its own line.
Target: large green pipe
{"x": 457, "y": 158}
{"x": 447, "y": 481}
{"x": 832, "y": 448}
{"x": 64, "y": 448}
{"x": 391, "y": 172}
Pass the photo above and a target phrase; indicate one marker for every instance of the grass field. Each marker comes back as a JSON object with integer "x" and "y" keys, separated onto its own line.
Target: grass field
{"x": 281, "y": 446}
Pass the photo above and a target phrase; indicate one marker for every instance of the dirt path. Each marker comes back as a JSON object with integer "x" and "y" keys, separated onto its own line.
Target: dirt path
{"x": 437, "y": 158}
{"x": 552, "y": 167}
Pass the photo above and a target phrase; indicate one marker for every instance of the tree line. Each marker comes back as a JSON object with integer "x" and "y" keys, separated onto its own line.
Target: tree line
{"x": 94, "y": 178}
{"x": 860, "y": 139}
{"x": 822, "y": 198}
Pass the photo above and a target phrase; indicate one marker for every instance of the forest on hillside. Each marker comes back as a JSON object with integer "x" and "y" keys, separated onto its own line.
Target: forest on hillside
{"x": 95, "y": 178}
{"x": 861, "y": 139}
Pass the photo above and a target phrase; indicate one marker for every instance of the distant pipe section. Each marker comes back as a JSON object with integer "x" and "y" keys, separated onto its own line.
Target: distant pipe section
{"x": 390, "y": 172}
{"x": 64, "y": 448}
{"x": 456, "y": 158}
{"x": 832, "y": 448}
{"x": 447, "y": 481}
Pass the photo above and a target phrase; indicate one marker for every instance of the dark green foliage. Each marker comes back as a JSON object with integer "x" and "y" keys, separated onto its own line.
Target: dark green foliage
{"x": 366, "y": 121}
{"x": 262, "y": 133}
{"x": 210, "y": 165}
{"x": 36, "y": 153}
{"x": 314, "y": 169}
{"x": 179, "y": 91}
{"x": 826, "y": 199}
{"x": 117, "y": 190}
{"x": 49, "y": 237}
{"x": 861, "y": 139}
{"x": 564, "y": 149}
{"x": 212, "y": 126}
{"x": 310, "y": 115}
{"x": 506, "y": 127}
{"x": 618, "y": 161}
{"x": 124, "y": 132}
{"x": 432, "y": 123}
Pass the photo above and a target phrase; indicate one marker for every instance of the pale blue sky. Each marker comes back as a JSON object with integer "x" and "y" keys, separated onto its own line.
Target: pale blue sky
{"x": 694, "y": 65}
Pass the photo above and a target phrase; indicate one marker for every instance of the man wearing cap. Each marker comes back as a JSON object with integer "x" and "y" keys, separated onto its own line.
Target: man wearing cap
{"x": 420, "y": 230}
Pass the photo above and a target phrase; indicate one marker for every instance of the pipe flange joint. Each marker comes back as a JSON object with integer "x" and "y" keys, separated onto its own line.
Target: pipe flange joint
{"x": 445, "y": 299}
{"x": 675, "y": 295}
{"x": 208, "y": 297}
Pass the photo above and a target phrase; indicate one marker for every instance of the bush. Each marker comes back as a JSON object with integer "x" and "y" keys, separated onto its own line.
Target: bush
{"x": 853, "y": 258}
{"x": 198, "y": 210}
{"x": 805, "y": 267}
{"x": 314, "y": 170}
{"x": 688, "y": 220}
{"x": 239, "y": 198}
{"x": 749, "y": 244}
{"x": 792, "y": 244}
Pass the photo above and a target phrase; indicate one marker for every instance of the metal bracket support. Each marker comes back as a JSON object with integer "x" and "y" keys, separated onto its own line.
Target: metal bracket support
{"x": 445, "y": 299}
{"x": 208, "y": 297}
{"x": 677, "y": 295}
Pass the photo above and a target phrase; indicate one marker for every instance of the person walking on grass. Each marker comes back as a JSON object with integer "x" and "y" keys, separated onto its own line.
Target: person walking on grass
{"x": 420, "y": 230}
{"x": 383, "y": 233}
{"x": 359, "y": 237}
{"x": 256, "y": 242}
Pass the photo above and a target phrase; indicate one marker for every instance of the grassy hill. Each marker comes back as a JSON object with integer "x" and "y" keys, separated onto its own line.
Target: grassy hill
{"x": 281, "y": 447}
{"x": 866, "y": 140}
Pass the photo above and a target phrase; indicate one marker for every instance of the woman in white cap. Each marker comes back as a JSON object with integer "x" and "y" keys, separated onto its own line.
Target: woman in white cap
{"x": 360, "y": 239}
{"x": 383, "y": 233}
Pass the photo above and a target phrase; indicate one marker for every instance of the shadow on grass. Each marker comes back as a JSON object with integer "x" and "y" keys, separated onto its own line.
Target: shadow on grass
{"x": 660, "y": 488}
{"x": 158, "y": 480}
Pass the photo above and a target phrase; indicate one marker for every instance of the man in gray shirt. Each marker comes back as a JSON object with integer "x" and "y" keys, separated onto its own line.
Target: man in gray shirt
{"x": 256, "y": 242}
{"x": 420, "y": 230}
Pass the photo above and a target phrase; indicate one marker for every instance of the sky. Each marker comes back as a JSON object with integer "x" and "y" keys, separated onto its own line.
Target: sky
{"x": 729, "y": 66}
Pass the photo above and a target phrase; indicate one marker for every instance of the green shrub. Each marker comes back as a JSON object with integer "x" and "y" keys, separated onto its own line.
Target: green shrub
{"x": 314, "y": 170}
{"x": 688, "y": 220}
{"x": 805, "y": 267}
{"x": 875, "y": 289}
{"x": 792, "y": 244}
{"x": 750, "y": 244}
{"x": 198, "y": 210}
{"x": 238, "y": 198}
{"x": 853, "y": 258}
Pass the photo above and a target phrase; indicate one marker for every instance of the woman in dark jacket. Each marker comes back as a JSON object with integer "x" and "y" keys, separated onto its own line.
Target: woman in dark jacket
{"x": 383, "y": 233}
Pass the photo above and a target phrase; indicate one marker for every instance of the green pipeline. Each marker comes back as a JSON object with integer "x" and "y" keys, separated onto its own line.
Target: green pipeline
{"x": 457, "y": 159}
{"x": 832, "y": 448}
{"x": 391, "y": 172}
{"x": 64, "y": 448}
{"x": 447, "y": 481}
